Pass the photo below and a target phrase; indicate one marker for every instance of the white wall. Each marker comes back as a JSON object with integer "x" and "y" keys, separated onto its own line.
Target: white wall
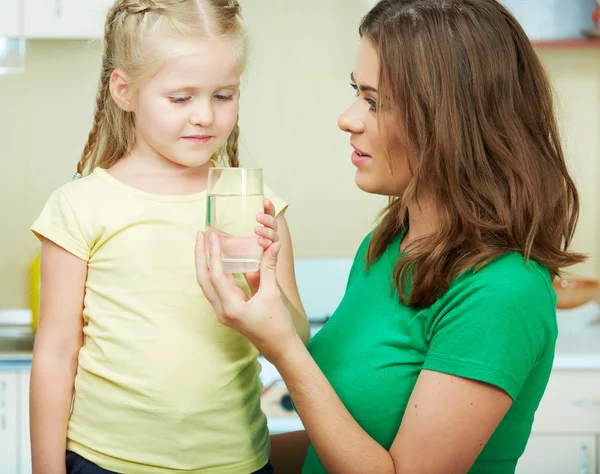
{"x": 297, "y": 86}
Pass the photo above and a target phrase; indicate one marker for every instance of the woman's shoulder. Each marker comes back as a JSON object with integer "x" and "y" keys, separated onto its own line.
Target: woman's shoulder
{"x": 513, "y": 269}
{"x": 510, "y": 279}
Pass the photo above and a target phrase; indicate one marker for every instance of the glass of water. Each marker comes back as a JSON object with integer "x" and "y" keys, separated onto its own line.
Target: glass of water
{"x": 235, "y": 196}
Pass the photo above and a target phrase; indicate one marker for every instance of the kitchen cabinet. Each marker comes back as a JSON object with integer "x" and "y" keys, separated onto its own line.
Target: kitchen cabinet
{"x": 24, "y": 453}
{"x": 64, "y": 18}
{"x": 15, "y": 452}
{"x": 547, "y": 454}
{"x": 566, "y": 429}
{"x": 11, "y": 24}
{"x": 8, "y": 422}
{"x": 553, "y": 19}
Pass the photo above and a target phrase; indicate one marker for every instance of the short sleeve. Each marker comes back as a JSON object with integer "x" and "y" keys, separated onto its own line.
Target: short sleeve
{"x": 58, "y": 223}
{"x": 494, "y": 332}
{"x": 280, "y": 204}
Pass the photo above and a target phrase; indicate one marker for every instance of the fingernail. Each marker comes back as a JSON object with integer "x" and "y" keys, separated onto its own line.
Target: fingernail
{"x": 213, "y": 240}
{"x": 199, "y": 236}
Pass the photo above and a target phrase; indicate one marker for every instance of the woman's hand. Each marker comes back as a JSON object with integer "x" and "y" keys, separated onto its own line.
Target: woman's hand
{"x": 264, "y": 318}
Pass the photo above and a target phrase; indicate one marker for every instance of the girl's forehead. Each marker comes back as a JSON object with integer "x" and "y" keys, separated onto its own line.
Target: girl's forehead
{"x": 204, "y": 61}
{"x": 171, "y": 47}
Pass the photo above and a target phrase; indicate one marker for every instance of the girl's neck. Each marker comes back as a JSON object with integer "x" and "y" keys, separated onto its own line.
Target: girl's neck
{"x": 158, "y": 175}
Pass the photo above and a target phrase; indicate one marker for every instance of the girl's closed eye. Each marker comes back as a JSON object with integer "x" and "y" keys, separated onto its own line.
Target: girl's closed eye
{"x": 180, "y": 99}
{"x": 223, "y": 97}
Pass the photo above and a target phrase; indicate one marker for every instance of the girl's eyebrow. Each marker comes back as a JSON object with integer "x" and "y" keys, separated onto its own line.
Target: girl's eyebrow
{"x": 190, "y": 87}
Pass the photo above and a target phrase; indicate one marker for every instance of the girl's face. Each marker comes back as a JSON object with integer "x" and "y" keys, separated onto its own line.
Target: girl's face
{"x": 373, "y": 173}
{"x": 186, "y": 111}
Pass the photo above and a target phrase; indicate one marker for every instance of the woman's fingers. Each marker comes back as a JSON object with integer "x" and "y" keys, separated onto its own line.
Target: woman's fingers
{"x": 202, "y": 272}
{"x": 225, "y": 287}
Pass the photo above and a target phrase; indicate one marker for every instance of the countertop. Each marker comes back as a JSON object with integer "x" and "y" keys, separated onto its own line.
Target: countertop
{"x": 577, "y": 347}
{"x": 578, "y": 344}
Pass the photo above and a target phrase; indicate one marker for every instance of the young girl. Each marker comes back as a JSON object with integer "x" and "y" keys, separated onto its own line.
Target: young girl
{"x": 440, "y": 351}
{"x": 159, "y": 385}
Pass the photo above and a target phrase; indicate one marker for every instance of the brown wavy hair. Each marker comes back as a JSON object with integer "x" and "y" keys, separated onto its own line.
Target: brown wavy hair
{"x": 472, "y": 106}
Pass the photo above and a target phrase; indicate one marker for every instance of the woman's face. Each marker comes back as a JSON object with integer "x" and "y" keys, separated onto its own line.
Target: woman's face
{"x": 373, "y": 173}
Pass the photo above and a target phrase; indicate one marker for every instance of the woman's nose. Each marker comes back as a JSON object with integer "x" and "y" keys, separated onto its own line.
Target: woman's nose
{"x": 350, "y": 122}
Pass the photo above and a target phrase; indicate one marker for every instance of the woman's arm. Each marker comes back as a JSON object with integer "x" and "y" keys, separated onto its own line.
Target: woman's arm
{"x": 57, "y": 344}
{"x": 447, "y": 422}
{"x": 288, "y": 451}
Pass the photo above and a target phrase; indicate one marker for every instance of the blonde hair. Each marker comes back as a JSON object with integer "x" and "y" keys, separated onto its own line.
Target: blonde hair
{"x": 129, "y": 26}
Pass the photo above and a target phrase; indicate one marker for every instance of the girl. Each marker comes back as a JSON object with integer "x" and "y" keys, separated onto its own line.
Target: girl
{"x": 159, "y": 386}
{"x": 454, "y": 121}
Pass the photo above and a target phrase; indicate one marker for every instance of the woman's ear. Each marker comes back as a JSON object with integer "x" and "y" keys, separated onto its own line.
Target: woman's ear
{"x": 120, "y": 90}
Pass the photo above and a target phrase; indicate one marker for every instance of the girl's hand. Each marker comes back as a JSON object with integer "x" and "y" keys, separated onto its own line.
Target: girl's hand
{"x": 267, "y": 235}
{"x": 263, "y": 319}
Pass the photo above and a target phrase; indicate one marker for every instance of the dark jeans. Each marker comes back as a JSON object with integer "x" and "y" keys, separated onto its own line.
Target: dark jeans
{"x": 78, "y": 465}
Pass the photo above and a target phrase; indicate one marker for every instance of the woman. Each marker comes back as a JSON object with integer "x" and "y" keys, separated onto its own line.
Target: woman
{"x": 440, "y": 351}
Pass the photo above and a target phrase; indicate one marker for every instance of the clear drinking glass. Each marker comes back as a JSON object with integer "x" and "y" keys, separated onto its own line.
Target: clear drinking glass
{"x": 235, "y": 196}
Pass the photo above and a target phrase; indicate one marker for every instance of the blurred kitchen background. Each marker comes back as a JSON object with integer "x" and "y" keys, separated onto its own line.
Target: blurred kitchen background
{"x": 296, "y": 86}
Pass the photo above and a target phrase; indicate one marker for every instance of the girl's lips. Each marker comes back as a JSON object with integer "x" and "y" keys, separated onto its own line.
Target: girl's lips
{"x": 198, "y": 139}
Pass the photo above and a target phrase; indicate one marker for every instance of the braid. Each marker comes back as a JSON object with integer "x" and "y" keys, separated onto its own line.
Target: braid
{"x": 143, "y": 6}
{"x": 232, "y": 146}
{"x": 90, "y": 149}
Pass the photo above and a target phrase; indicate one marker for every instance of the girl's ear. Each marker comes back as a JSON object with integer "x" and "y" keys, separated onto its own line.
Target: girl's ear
{"x": 120, "y": 91}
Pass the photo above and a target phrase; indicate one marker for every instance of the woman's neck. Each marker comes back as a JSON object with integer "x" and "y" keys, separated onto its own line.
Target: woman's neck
{"x": 422, "y": 221}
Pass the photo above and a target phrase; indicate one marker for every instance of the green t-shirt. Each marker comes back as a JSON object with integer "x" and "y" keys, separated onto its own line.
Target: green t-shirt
{"x": 497, "y": 325}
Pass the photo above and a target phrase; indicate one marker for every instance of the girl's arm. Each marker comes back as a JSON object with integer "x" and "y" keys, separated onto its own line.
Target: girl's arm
{"x": 276, "y": 229}
{"x": 287, "y": 280}
{"x": 288, "y": 451}
{"x": 57, "y": 344}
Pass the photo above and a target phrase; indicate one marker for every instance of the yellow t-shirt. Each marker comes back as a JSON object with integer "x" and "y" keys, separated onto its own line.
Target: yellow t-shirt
{"x": 162, "y": 386}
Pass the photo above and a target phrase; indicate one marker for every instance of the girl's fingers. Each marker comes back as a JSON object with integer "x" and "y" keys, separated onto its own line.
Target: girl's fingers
{"x": 267, "y": 233}
{"x": 264, "y": 243}
{"x": 267, "y": 221}
{"x": 269, "y": 208}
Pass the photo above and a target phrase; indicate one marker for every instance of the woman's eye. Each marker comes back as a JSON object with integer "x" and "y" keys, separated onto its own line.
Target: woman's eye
{"x": 223, "y": 97}
{"x": 371, "y": 102}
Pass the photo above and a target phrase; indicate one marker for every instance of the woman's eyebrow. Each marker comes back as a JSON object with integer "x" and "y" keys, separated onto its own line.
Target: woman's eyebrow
{"x": 361, "y": 87}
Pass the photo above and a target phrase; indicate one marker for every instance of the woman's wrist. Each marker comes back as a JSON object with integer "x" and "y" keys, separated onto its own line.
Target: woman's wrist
{"x": 287, "y": 354}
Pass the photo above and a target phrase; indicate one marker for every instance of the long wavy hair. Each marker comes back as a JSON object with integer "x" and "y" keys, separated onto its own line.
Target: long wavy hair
{"x": 462, "y": 89}
{"x": 129, "y": 26}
